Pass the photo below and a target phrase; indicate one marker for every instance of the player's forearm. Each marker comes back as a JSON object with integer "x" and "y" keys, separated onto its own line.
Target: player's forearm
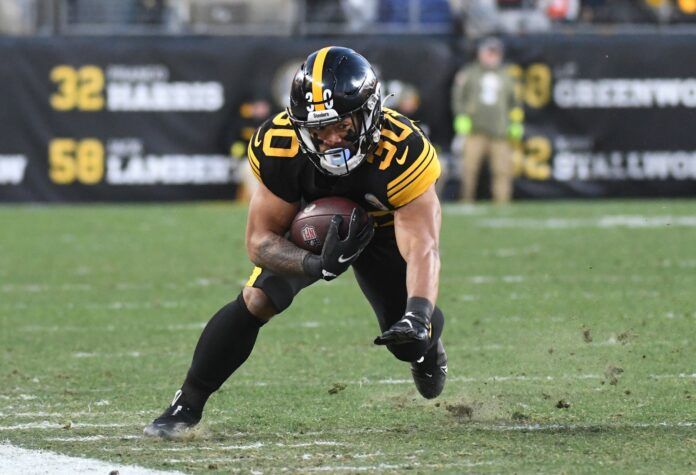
{"x": 273, "y": 252}
{"x": 423, "y": 273}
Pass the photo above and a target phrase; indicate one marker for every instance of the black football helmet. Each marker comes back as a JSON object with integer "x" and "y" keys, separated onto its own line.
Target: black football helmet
{"x": 333, "y": 84}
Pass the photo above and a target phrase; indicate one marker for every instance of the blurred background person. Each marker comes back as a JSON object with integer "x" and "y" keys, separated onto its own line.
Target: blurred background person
{"x": 487, "y": 112}
{"x": 252, "y": 114}
{"x": 17, "y": 17}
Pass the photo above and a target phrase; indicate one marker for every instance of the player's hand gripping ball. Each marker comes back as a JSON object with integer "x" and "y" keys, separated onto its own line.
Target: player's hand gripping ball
{"x": 335, "y": 231}
{"x": 311, "y": 225}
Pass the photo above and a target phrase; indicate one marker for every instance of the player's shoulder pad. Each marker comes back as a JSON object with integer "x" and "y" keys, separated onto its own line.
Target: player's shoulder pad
{"x": 275, "y": 139}
{"x": 415, "y": 166}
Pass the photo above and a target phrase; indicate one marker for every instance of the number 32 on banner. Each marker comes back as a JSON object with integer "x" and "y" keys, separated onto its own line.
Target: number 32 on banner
{"x": 78, "y": 88}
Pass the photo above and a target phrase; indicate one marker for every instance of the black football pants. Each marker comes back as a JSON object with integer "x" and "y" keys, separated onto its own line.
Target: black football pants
{"x": 381, "y": 274}
{"x": 229, "y": 337}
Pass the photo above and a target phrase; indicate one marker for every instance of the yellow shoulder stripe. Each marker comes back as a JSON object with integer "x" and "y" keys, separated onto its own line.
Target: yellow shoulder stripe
{"x": 254, "y": 162}
{"x": 426, "y": 175}
{"x": 411, "y": 178}
{"x": 250, "y": 150}
{"x": 424, "y": 154}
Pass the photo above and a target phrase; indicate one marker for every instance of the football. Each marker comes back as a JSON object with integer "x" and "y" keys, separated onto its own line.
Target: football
{"x": 310, "y": 226}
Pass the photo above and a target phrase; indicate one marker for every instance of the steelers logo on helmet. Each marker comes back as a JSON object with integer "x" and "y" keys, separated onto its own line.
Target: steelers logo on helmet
{"x": 336, "y": 85}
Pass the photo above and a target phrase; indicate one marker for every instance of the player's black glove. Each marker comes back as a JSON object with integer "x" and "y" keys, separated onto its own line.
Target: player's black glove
{"x": 336, "y": 254}
{"x": 413, "y": 327}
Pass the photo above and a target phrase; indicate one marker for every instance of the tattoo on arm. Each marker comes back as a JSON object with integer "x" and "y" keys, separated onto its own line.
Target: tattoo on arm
{"x": 279, "y": 255}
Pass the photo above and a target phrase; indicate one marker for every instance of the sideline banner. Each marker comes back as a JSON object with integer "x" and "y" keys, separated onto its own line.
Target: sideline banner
{"x": 161, "y": 118}
{"x": 153, "y": 118}
{"x": 99, "y": 119}
{"x": 607, "y": 116}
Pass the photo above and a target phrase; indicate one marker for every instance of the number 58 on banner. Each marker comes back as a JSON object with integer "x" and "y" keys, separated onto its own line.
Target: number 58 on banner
{"x": 71, "y": 161}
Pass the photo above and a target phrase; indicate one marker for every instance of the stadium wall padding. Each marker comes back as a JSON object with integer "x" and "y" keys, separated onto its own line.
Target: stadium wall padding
{"x": 155, "y": 118}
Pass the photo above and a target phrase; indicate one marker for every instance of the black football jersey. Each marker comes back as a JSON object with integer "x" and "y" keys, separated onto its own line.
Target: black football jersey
{"x": 402, "y": 167}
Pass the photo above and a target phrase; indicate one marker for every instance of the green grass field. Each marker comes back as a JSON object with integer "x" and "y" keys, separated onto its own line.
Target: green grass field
{"x": 586, "y": 305}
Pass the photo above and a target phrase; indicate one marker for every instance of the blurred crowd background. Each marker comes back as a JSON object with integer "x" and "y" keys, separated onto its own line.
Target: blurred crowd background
{"x": 473, "y": 18}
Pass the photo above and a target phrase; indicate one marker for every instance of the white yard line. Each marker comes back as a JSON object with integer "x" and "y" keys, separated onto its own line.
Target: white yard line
{"x": 76, "y": 413}
{"x": 186, "y": 326}
{"x": 607, "y": 221}
{"x": 54, "y": 425}
{"x": 495, "y": 379}
{"x": 465, "y": 209}
{"x": 93, "y": 438}
{"x": 18, "y": 461}
{"x": 132, "y": 354}
{"x": 185, "y": 448}
{"x": 543, "y": 427}
{"x": 498, "y": 379}
{"x": 674, "y": 376}
{"x": 493, "y": 279}
{"x": 34, "y": 288}
{"x": 392, "y": 467}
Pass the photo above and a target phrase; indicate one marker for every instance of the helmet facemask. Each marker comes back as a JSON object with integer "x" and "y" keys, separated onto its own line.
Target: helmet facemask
{"x": 362, "y": 139}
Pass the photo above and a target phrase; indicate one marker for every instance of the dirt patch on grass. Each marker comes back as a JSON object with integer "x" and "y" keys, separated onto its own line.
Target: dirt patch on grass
{"x": 586, "y": 335}
{"x": 337, "y": 388}
{"x": 460, "y": 411}
{"x": 626, "y": 337}
{"x": 466, "y": 410}
{"x": 402, "y": 400}
{"x": 613, "y": 373}
{"x": 520, "y": 417}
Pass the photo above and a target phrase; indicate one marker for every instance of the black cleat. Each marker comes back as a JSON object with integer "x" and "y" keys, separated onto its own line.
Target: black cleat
{"x": 430, "y": 372}
{"x": 175, "y": 422}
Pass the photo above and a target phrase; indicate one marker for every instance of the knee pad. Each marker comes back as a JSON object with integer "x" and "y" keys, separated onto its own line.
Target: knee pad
{"x": 278, "y": 291}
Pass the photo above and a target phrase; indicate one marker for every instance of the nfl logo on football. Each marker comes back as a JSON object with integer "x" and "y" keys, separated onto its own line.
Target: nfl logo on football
{"x": 309, "y": 236}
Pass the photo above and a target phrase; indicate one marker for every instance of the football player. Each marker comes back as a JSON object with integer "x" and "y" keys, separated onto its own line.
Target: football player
{"x": 335, "y": 139}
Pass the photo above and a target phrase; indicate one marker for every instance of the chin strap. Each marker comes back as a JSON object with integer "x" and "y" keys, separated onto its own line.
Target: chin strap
{"x": 388, "y": 96}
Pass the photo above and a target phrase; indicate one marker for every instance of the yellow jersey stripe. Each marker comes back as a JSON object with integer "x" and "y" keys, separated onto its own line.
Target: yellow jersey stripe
{"x": 255, "y": 169}
{"x": 426, "y": 150}
{"x": 254, "y": 275}
{"x": 254, "y": 162}
{"x": 256, "y": 173}
{"x": 417, "y": 188}
{"x": 252, "y": 156}
{"x": 317, "y": 79}
{"x": 414, "y": 176}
